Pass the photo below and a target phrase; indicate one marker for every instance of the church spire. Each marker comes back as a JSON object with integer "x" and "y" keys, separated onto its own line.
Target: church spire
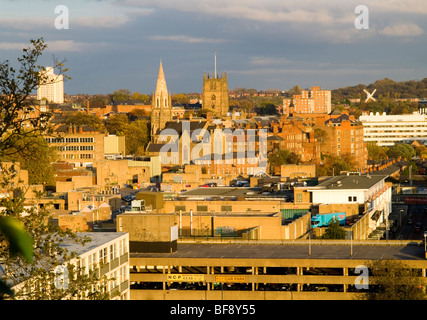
{"x": 161, "y": 82}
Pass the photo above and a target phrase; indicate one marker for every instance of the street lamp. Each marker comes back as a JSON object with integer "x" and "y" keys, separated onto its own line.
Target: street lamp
{"x": 425, "y": 236}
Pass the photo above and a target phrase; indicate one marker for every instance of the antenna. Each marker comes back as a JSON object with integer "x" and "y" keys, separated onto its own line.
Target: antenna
{"x": 215, "y": 67}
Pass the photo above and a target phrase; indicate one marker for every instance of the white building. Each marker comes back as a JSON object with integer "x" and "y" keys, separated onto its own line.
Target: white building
{"x": 53, "y": 89}
{"x": 386, "y": 130}
{"x": 107, "y": 253}
{"x": 361, "y": 189}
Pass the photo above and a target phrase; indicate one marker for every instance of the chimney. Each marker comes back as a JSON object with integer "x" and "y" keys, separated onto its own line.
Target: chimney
{"x": 275, "y": 128}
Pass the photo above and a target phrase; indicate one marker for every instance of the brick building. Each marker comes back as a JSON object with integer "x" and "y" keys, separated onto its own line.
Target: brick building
{"x": 309, "y": 101}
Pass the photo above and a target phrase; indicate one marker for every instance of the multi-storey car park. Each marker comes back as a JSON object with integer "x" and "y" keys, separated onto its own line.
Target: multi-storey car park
{"x": 287, "y": 270}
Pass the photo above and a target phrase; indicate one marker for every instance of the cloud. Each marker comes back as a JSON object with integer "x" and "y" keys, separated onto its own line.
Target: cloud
{"x": 402, "y": 30}
{"x": 56, "y": 46}
{"x": 267, "y": 61}
{"x": 185, "y": 39}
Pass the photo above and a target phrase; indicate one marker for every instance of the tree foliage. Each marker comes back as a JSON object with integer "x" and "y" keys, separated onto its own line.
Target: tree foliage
{"x": 31, "y": 246}
{"x": 84, "y": 119}
{"x": 394, "y": 280}
{"x": 334, "y": 230}
{"x": 376, "y": 152}
{"x": 333, "y": 165}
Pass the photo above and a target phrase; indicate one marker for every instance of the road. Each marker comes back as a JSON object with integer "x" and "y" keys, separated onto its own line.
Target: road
{"x": 416, "y": 213}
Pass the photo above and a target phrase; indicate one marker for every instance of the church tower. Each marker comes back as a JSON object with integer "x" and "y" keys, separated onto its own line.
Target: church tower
{"x": 161, "y": 105}
{"x": 215, "y": 93}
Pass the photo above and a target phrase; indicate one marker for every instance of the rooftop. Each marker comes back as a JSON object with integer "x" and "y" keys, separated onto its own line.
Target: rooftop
{"x": 344, "y": 182}
{"x": 97, "y": 239}
{"x": 272, "y": 251}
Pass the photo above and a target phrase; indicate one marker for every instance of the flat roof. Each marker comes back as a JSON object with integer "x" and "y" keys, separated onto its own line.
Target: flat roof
{"x": 221, "y": 191}
{"x": 98, "y": 239}
{"x": 300, "y": 251}
{"x": 344, "y": 182}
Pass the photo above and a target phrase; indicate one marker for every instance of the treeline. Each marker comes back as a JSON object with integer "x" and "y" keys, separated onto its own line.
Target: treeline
{"x": 386, "y": 88}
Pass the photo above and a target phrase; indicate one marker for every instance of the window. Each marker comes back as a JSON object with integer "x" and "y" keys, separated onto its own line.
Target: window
{"x": 179, "y": 208}
{"x": 352, "y": 199}
{"x": 226, "y": 208}
{"x": 299, "y": 197}
{"x": 202, "y": 208}
{"x": 113, "y": 252}
{"x": 103, "y": 255}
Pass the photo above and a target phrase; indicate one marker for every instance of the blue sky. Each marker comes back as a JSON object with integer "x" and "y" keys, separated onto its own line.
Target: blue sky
{"x": 259, "y": 43}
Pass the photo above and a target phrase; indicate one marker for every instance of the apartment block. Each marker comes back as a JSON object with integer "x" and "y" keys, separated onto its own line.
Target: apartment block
{"x": 309, "y": 101}
{"x": 107, "y": 254}
{"x": 343, "y": 135}
{"x": 53, "y": 89}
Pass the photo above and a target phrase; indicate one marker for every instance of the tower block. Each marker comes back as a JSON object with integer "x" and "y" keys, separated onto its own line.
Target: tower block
{"x": 215, "y": 93}
{"x": 161, "y": 104}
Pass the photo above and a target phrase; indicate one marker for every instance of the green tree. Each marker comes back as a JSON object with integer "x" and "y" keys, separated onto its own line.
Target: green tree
{"x": 137, "y": 137}
{"x": 140, "y": 96}
{"x": 31, "y": 246}
{"x": 121, "y": 94}
{"x": 333, "y": 165}
{"x": 403, "y": 150}
{"x": 267, "y": 109}
{"x": 180, "y": 98}
{"x": 281, "y": 157}
{"x": 37, "y": 159}
{"x": 82, "y": 118}
{"x": 394, "y": 280}
{"x": 334, "y": 230}
{"x": 117, "y": 124}
{"x": 375, "y": 152}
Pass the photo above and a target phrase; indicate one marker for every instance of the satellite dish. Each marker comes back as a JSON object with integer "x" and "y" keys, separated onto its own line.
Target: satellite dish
{"x": 369, "y": 96}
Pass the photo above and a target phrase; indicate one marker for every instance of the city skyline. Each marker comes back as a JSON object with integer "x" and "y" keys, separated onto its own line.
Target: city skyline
{"x": 111, "y": 45}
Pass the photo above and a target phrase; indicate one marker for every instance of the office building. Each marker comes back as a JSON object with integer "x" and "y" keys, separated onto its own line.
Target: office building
{"x": 386, "y": 130}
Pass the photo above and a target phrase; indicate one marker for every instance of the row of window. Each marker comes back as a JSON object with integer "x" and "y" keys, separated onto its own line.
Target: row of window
{"x": 75, "y": 148}
{"x": 70, "y": 140}
{"x": 76, "y": 156}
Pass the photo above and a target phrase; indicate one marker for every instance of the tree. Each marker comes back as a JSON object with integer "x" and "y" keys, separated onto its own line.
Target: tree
{"x": 334, "y": 230}
{"x": 140, "y": 96}
{"x": 16, "y": 85}
{"x": 333, "y": 165}
{"x": 180, "y": 98}
{"x": 394, "y": 280}
{"x": 280, "y": 157}
{"x": 406, "y": 151}
{"x": 117, "y": 123}
{"x": 375, "y": 152}
{"x": 121, "y": 94}
{"x": 84, "y": 119}
{"x": 267, "y": 109}
{"x": 31, "y": 246}
{"x": 136, "y": 134}
{"x": 37, "y": 160}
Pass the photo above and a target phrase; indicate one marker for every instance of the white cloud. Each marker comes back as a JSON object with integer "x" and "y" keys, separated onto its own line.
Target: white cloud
{"x": 54, "y": 46}
{"x": 267, "y": 61}
{"x": 186, "y": 39}
{"x": 402, "y": 30}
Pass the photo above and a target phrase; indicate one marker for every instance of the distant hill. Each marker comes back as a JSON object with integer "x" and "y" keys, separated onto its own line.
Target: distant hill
{"x": 385, "y": 88}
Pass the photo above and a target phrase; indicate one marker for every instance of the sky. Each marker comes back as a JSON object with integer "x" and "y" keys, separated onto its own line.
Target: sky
{"x": 262, "y": 44}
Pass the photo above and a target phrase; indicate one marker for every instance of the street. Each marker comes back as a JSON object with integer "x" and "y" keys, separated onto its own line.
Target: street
{"x": 415, "y": 215}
